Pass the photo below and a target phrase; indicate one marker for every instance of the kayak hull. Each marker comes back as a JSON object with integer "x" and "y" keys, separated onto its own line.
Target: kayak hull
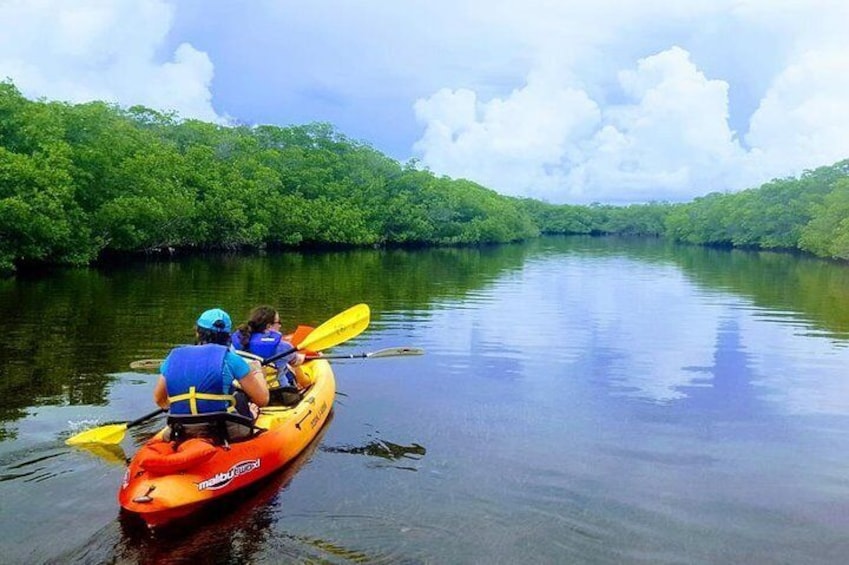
{"x": 159, "y": 494}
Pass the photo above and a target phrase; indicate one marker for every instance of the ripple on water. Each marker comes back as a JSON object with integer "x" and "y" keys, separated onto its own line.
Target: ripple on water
{"x": 364, "y": 538}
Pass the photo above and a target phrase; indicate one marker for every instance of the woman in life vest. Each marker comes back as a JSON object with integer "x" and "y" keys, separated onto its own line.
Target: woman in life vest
{"x": 261, "y": 336}
{"x": 199, "y": 379}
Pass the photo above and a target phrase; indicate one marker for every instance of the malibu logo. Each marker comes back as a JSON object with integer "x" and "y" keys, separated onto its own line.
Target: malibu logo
{"x": 221, "y": 480}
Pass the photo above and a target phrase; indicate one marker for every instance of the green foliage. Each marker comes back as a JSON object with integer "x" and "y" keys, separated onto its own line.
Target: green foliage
{"x": 637, "y": 219}
{"x": 827, "y": 234}
{"x": 810, "y": 213}
{"x": 805, "y": 214}
{"x": 80, "y": 180}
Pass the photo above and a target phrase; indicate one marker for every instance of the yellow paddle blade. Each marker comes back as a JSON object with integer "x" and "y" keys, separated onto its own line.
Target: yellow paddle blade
{"x": 339, "y": 328}
{"x": 111, "y": 434}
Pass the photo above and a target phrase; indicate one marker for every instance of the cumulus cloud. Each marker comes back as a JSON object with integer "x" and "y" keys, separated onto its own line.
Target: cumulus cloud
{"x": 803, "y": 118}
{"x": 525, "y": 135}
{"x": 611, "y": 101}
{"x": 90, "y": 50}
{"x": 656, "y": 127}
{"x": 670, "y": 140}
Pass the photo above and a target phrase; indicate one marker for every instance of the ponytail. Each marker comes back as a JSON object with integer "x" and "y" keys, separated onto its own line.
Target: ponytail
{"x": 261, "y": 318}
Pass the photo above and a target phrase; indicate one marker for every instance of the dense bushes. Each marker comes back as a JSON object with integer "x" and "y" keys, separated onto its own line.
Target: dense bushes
{"x": 79, "y": 180}
{"x": 809, "y": 213}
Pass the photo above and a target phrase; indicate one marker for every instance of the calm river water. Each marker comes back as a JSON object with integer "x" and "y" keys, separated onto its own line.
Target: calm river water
{"x": 581, "y": 400}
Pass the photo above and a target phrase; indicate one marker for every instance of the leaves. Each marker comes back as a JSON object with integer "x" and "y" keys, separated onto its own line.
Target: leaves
{"x": 80, "y": 180}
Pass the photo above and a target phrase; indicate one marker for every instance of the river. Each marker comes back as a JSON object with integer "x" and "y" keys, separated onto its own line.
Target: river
{"x": 581, "y": 400}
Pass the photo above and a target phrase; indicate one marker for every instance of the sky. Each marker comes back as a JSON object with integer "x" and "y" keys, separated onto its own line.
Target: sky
{"x": 609, "y": 101}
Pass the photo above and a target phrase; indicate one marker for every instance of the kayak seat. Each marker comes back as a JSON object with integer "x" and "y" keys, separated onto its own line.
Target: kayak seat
{"x": 221, "y": 427}
{"x": 162, "y": 458}
{"x": 284, "y": 396}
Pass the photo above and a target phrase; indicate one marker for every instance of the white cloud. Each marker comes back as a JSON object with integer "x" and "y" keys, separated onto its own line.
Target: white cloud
{"x": 803, "y": 118}
{"x": 611, "y": 101}
{"x": 85, "y": 50}
{"x": 525, "y": 134}
{"x": 549, "y": 139}
{"x": 671, "y": 141}
{"x": 663, "y": 130}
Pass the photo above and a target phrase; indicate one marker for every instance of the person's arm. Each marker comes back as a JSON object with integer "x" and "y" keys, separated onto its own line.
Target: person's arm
{"x": 255, "y": 387}
{"x": 250, "y": 378}
{"x": 295, "y": 358}
{"x": 160, "y": 393}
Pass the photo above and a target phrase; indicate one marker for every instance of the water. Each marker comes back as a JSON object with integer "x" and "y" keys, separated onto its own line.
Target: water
{"x": 581, "y": 400}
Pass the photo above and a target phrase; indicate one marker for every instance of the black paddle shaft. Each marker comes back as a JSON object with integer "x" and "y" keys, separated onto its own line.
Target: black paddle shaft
{"x": 280, "y": 355}
{"x": 146, "y": 417}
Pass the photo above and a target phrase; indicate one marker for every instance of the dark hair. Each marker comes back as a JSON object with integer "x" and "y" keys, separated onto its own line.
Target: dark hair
{"x": 261, "y": 318}
{"x": 212, "y": 336}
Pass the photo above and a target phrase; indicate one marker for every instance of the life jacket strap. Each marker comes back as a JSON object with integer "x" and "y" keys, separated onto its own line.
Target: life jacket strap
{"x": 193, "y": 396}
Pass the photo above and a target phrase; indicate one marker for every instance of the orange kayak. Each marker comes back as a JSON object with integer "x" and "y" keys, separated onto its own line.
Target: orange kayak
{"x": 162, "y": 484}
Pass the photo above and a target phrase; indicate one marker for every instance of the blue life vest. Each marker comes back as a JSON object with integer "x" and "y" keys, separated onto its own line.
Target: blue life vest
{"x": 197, "y": 382}
{"x": 264, "y": 344}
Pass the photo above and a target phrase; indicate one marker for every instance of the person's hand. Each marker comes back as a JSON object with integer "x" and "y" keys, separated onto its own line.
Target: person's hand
{"x": 298, "y": 359}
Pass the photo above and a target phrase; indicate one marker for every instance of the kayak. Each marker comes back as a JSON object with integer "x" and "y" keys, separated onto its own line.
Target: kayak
{"x": 162, "y": 483}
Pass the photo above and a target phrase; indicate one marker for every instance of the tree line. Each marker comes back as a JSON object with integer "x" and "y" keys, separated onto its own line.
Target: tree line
{"x": 808, "y": 214}
{"x": 79, "y": 182}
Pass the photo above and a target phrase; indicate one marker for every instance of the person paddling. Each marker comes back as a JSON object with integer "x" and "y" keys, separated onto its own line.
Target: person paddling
{"x": 197, "y": 381}
{"x": 261, "y": 336}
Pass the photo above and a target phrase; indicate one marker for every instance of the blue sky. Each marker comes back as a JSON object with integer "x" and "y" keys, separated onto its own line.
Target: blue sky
{"x": 613, "y": 101}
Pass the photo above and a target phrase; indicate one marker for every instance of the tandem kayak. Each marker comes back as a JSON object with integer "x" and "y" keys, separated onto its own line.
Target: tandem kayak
{"x": 162, "y": 483}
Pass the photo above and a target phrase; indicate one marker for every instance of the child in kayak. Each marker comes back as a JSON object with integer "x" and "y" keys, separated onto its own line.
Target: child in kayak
{"x": 261, "y": 336}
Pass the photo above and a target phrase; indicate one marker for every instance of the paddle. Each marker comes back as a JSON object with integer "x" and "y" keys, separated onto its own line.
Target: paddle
{"x": 339, "y": 328}
{"x": 334, "y": 331}
{"x": 111, "y": 433}
{"x": 388, "y": 352}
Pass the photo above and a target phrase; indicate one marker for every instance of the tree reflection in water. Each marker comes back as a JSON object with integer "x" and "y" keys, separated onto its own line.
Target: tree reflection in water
{"x": 383, "y": 449}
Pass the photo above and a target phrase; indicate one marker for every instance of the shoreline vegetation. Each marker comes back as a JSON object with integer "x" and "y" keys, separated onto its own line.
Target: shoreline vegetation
{"x": 80, "y": 183}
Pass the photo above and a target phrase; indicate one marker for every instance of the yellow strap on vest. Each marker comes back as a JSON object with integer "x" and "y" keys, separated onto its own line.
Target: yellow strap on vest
{"x": 193, "y": 396}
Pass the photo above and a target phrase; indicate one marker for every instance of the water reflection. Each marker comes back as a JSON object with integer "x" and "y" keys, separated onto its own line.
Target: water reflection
{"x": 74, "y": 328}
{"x": 727, "y": 392}
{"x": 31, "y": 469}
{"x": 109, "y": 453}
{"x": 385, "y": 450}
{"x": 594, "y": 400}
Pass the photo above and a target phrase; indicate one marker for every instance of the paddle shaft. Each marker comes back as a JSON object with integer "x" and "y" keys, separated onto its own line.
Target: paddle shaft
{"x": 280, "y": 355}
{"x": 351, "y": 356}
{"x": 110, "y": 433}
{"x": 145, "y": 418}
{"x": 380, "y": 353}
{"x": 388, "y": 352}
